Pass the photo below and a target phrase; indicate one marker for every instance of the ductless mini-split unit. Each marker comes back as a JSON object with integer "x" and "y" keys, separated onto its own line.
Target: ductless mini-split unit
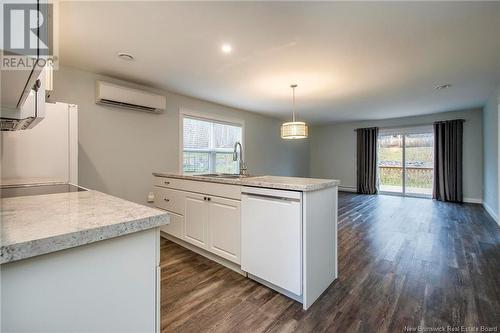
{"x": 133, "y": 99}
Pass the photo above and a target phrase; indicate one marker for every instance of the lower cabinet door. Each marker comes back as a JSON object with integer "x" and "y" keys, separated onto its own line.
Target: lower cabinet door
{"x": 196, "y": 219}
{"x": 224, "y": 228}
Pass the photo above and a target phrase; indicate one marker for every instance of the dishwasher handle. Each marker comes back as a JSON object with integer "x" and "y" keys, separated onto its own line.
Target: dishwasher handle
{"x": 279, "y": 194}
{"x": 271, "y": 197}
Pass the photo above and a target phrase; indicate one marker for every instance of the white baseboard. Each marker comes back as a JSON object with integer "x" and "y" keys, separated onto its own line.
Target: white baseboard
{"x": 491, "y": 212}
{"x": 348, "y": 189}
{"x": 473, "y": 200}
{"x": 206, "y": 254}
{"x": 354, "y": 190}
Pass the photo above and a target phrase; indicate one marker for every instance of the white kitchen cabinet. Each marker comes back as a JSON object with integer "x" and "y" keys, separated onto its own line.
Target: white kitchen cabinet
{"x": 196, "y": 219}
{"x": 203, "y": 219}
{"x": 213, "y": 223}
{"x": 106, "y": 286}
{"x": 224, "y": 228}
{"x": 208, "y": 188}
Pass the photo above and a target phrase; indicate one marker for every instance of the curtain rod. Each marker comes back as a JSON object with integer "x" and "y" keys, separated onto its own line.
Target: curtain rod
{"x": 407, "y": 126}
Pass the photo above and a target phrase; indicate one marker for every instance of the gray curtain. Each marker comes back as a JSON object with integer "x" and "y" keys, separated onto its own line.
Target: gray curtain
{"x": 367, "y": 160}
{"x": 448, "y": 137}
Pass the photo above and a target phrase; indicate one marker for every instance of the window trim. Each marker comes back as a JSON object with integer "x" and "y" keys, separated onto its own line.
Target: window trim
{"x": 406, "y": 130}
{"x": 206, "y": 116}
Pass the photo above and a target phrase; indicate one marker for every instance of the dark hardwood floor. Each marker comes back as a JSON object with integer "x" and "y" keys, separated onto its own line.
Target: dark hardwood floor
{"x": 403, "y": 262}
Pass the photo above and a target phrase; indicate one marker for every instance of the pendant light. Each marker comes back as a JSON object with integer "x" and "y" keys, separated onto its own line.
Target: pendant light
{"x": 294, "y": 129}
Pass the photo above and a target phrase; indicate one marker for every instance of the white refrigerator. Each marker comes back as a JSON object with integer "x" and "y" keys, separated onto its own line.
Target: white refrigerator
{"x": 45, "y": 154}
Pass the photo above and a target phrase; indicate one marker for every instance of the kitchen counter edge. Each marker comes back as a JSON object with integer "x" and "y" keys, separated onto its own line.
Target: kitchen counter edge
{"x": 273, "y": 182}
{"x": 35, "y": 247}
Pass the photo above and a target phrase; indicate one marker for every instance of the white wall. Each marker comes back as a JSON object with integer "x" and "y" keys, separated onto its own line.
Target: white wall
{"x": 118, "y": 148}
{"x": 333, "y": 148}
{"x": 491, "y": 152}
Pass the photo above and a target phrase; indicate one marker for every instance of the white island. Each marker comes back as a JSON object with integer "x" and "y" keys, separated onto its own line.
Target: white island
{"x": 279, "y": 231}
{"x": 79, "y": 262}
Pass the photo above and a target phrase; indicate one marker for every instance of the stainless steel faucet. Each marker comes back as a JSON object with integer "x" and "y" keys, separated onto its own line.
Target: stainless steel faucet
{"x": 243, "y": 168}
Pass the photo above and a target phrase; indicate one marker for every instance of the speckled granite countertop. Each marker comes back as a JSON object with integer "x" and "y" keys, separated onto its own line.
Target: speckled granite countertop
{"x": 276, "y": 182}
{"x": 40, "y": 224}
{"x": 290, "y": 183}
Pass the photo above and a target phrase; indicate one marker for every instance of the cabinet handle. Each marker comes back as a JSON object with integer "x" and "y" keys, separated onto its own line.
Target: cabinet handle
{"x": 165, "y": 199}
{"x": 37, "y": 85}
{"x": 205, "y": 198}
{"x": 166, "y": 183}
{"x": 209, "y": 198}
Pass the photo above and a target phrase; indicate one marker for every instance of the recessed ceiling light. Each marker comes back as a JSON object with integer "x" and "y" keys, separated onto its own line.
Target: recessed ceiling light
{"x": 226, "y": 48}
{"x": 443, "y": 86}
{"x": 125, "y": 56}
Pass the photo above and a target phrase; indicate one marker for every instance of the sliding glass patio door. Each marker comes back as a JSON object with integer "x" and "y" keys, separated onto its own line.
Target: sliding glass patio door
{"x": 390, "y": 163}
{"x": 406, "y": 161}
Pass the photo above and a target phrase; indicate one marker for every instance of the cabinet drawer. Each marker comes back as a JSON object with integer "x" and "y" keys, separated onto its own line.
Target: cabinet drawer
{"x": 168, "y": 182}
{"x": 175, "y": 227}
{"x": 171, "y": 200}
{"x": 200, "y": 186}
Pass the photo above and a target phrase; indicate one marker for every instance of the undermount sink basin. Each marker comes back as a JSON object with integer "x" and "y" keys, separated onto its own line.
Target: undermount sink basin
{"x": 224, "y": 175}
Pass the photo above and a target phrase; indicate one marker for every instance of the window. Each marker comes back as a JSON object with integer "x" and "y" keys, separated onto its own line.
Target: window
{"x": 208, "y": 145}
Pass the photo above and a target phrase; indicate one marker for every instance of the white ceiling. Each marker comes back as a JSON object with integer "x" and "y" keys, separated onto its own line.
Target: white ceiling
{"x": 352, "y": 61}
